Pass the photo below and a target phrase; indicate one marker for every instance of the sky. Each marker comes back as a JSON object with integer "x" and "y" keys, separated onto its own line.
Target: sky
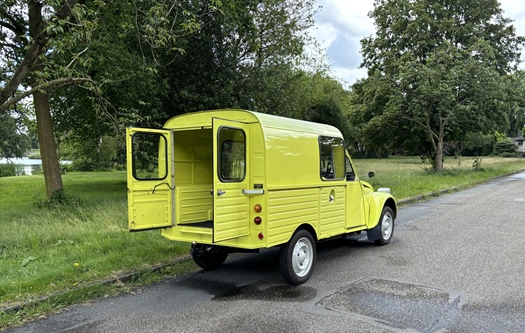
{"x": 341, "y": 24}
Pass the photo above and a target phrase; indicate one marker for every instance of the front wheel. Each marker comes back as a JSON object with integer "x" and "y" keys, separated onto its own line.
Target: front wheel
{"x": 386, "y": 225}
{"x": 297, "y": 258}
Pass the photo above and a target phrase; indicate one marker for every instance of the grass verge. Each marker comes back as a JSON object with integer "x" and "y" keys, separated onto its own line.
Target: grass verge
{"x": 45, "y": 251}
{"x": 408, "y": 177}
{"x": 55, "y": 255}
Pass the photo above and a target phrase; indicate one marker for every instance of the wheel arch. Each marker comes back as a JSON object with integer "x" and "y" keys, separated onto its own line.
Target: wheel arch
{"x": 307, "y": 227}
{"x": 379, "y": 200}
{"x": 390, "y": 202}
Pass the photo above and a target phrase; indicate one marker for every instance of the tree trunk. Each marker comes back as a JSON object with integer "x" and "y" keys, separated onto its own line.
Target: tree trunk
{"x": 46, "y": 140}
{"x": 438, "y": 158}
{"x": 44, "y": 122}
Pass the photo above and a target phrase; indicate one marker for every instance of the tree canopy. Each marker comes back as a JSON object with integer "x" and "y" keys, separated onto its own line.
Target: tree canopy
{"x": 95, "y": 67}
{"x": 45, "y": 46}
{"x": 438, "y": 70}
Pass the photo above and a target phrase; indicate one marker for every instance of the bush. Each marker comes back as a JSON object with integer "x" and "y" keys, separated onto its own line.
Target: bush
{"x": 58, "y": 199}
{"x": 36, "y": 169}
{"x": 66, "y": 167}
{"x": 476, "y": 164}
{"x": 34, "y": 155}
{"x": 11, "y": 169}
{"x": 506, "y": 154}
{"x": 506, "y": 146}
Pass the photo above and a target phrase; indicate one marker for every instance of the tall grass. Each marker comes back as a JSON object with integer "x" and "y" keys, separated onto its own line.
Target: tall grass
{"x": 45, "y": 250}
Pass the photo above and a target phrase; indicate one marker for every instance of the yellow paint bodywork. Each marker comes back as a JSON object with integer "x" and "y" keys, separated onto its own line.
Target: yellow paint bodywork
{"x": 281, "y": 173}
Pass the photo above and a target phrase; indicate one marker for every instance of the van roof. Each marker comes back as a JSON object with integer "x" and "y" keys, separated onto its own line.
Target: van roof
{"x": 204, "y": 119}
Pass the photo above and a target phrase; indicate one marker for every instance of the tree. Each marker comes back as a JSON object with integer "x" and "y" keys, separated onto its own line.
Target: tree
{"x": 477, "y": 144}
{"x": 27, "y": 72}
{"x": 326, "y": 102}
{"x": 13, "y": 142}
{"x": 369, "y": 97}
{"x": 45, "y": 44}
{"x": 444, "y": 66}
{"x": 246, "y": 57}
{"x": 516, "y": 95}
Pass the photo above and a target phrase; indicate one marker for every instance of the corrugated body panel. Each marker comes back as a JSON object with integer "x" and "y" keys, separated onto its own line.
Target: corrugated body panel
{"x": 231, "y": 216}
{"x": 194, "y": 204}
{"x": 332, "y": 216}
{"x": 289, "y": 208}
{"x": 150, "y": 210}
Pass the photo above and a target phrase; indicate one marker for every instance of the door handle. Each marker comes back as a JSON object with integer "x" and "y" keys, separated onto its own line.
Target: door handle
{"x": 220, "y": 192}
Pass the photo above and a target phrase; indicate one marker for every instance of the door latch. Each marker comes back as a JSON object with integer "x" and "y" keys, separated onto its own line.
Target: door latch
{"x": 220, "y": 192}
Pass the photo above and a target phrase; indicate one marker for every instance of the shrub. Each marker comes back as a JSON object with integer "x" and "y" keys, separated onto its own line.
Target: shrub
{"x": 58, "y": 199}
{"x": 34, "y": 156}
{"x": 11, "y": 169}
{"x": 506, "y": 146}
{"x": 507, "y": 154}
{"x": 476, "y": 164}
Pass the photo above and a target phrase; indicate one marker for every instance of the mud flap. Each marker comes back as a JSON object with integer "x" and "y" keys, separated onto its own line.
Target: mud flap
{"x": 374, "y": 233}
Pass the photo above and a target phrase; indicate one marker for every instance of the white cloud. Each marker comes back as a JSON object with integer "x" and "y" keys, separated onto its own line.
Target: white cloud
{"x": 341, "y": 24}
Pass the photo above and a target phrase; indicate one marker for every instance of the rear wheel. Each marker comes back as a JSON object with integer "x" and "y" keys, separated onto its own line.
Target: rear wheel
{"x": 297, "y": 258}
{"x": 386, "y": 225}
{"x": 209, "y": 257}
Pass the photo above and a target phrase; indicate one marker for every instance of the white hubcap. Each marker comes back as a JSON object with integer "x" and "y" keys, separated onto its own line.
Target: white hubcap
{"x": 302, "y": 257}
{"x": 386, "y": 226}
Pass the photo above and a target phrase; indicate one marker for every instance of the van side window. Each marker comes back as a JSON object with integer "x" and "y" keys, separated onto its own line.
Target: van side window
{"x": 149, "y": 156}
{"x": 232, "y": 154}
{"x": 332, "y": 156}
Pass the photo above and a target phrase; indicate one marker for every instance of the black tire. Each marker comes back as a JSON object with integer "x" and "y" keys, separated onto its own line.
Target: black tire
{"x": 386, "y": 226}
{"x": 297, "y": 258}
{"x": 210, "y": 260}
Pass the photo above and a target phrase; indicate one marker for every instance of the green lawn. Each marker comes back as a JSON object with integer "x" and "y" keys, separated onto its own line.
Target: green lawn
{"x": 45, "y": 251}
{"x": 408, "y": 177}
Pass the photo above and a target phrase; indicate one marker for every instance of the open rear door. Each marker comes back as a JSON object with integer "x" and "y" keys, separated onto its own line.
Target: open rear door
{"x": 151, "y": 184}
{"x": 230, "y": 177}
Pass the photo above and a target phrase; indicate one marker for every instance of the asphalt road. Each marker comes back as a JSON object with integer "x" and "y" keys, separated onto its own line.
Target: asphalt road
{"x": 455, "y": 264}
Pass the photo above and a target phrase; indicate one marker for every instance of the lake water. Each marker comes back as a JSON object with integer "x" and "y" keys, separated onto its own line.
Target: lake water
{"x": 30, "y": 165}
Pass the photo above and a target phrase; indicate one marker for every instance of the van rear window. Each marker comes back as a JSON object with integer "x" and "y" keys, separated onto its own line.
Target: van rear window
{"x": 149, "y": 152}
{"x": 232, "y": 154}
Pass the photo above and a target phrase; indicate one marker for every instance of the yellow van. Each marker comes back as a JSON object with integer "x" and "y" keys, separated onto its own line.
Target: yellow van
{"x": 235, "y": 181}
